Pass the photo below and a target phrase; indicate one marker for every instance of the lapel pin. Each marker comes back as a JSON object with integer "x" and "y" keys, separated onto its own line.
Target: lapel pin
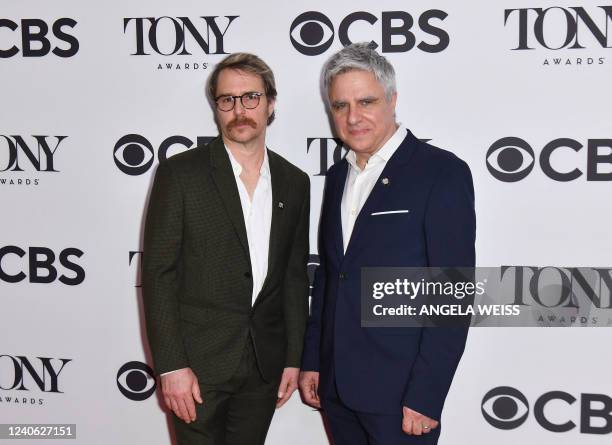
{"x": 281, "y": 205}
{"x": 385, "y": 181}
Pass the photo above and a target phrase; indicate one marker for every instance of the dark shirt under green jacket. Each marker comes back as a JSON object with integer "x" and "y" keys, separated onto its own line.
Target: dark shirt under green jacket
{"x": 197, "y": 281}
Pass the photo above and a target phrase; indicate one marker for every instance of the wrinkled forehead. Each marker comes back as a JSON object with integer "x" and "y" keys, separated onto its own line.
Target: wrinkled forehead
{"x": 355, "y": 82}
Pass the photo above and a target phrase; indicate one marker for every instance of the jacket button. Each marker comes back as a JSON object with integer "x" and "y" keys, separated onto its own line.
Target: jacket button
{"x": 247, "y": 274}
{"x": 342, "y": 276}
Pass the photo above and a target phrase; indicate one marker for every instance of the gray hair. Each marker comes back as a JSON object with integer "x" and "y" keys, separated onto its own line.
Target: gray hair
{"x": 359, "y": 56}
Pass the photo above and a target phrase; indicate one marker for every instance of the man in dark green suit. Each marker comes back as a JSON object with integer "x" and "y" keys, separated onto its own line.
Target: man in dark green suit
{"x": 225, "y": 284}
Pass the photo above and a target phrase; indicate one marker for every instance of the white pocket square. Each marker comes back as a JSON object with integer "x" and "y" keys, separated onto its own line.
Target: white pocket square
{"x": 389, "y": 212}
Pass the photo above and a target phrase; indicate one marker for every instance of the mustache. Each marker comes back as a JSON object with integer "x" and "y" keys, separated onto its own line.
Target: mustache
{"x": 241, "y": 121}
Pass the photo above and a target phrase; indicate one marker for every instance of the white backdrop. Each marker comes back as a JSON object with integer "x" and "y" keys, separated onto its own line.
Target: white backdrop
{"x": 464, "y": 96}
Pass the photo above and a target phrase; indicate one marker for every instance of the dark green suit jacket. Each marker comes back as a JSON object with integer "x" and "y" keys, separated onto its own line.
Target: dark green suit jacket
{"x": 197, "y": 281}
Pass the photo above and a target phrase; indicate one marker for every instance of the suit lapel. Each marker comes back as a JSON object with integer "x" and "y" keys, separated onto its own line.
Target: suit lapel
{"x": 224, "y": 179}
{"x": 279, "y": 186}
{"x": 395, "y": 168}
{"x": 337, "y": 207}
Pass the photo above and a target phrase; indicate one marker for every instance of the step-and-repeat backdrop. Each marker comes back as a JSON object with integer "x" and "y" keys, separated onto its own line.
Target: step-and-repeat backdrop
{"x": 94, "y": 94}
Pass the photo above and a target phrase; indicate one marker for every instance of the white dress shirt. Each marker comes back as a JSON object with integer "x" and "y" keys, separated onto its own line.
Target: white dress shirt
{"x": 359, "y": 183}
{"x": 257, "y": 219}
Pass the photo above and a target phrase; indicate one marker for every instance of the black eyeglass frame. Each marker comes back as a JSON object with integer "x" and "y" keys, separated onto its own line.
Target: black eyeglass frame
{"x": 250, "y": 93}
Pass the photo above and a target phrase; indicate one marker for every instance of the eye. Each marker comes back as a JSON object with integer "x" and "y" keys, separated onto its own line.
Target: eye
{"x": 505, "y": 408}
{"x": 338, "y": 106}
{"x": 225, "y": 100}
{"x": 510, "y": 159}
{"x": 366, "y": 102}
{"x": 136, "y": 381}
{"x": 133, "y": 154}
{"x": 311, "y": 33}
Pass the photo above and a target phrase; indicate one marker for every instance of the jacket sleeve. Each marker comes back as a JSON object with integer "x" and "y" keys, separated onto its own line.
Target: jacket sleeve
{"x": 450, "y": 226}
{"x": 295, "y": 284}
{"x": 312, "y": 340}
{"x": 160, "y": 284}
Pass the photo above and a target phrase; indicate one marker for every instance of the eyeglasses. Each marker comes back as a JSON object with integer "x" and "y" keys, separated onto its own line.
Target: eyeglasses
{"x": 248, "y": 100}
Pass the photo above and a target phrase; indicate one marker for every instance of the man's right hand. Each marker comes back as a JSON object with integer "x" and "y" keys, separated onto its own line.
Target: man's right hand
{"x": 179, "y": 389}
{"x": 309, "y": 387}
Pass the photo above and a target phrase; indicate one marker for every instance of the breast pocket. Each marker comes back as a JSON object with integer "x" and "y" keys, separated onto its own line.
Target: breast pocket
{"x": 390, "y": 212}
{"x": 385, "y": 219}
{"x": 390, "y": 227}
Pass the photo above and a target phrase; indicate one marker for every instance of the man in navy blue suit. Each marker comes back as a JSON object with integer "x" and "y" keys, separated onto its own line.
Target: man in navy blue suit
{"x": 393, "y": 201}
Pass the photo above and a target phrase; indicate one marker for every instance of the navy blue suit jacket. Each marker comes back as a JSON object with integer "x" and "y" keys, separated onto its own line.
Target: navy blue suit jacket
{"x": 379, "y": 370}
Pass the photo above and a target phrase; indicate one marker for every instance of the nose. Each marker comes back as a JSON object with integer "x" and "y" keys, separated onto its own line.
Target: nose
{"x": 238, "y": 107}
{"x": 353, "y": 116}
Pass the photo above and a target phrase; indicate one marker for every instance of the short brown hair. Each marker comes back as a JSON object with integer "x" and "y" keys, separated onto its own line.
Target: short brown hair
{"x": 249, "y": 63}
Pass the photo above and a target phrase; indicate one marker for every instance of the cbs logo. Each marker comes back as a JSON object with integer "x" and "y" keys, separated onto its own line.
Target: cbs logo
{"x": 41, "y": 265}
{"x": 34, "y": 41}
{"x": 512, "y": 159}
{"x": 134, "y": 154}
{"x": 506, "y": 408}
{"x": 136, "y": 381}
{"x": 312, "y": 33}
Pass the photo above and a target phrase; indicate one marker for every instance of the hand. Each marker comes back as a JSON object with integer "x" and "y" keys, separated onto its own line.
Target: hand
{"x": 179, "y": 389}
{"x": 415, "y": 422}
{"x": 288, "y": 384}
{"x": 309, "y": 387}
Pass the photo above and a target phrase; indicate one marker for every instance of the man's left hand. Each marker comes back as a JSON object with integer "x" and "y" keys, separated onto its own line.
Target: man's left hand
{"x": 288, "y": 384}
{"x": 415, "y": 423}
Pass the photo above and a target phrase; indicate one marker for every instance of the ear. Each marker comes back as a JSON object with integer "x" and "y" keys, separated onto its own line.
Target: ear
{"x": 271, "y": 105}
{"x": 393, "y": 100}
